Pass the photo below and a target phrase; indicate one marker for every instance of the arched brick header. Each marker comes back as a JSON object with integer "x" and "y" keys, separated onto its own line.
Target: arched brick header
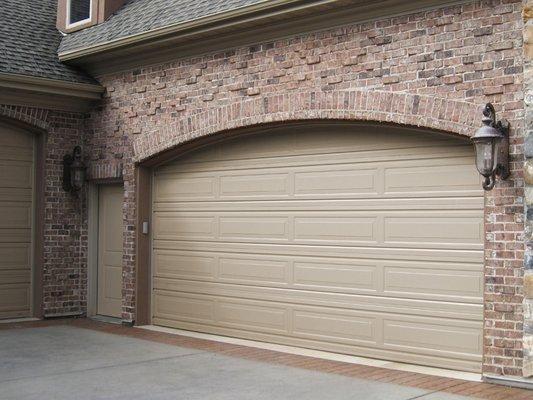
{"x": 448, "y": 115}
{"x": 32, "y": 116}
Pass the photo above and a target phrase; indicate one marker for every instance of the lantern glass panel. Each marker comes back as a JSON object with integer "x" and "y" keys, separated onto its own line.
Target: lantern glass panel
{"x": 486, "y": 155}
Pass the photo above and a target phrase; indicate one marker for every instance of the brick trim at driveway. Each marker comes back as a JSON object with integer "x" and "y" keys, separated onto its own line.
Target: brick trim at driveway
{"x": 438, "y": 384}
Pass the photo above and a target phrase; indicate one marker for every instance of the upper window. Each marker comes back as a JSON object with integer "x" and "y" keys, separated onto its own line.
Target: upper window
{"x": 78, "y": 11}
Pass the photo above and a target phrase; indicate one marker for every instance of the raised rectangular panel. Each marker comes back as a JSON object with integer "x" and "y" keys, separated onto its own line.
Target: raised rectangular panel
{"x": 254, "y": 185}
{"x": 15, "y": 256}
{"x": 253, "y": 270}
{"x": 331, "y": 326}
{"x": 11, "y": 194}
{"x": 172, "y": 227}
{"x": 15, "y": 216}
{"x": 435, "y": 229}
{"x": 14, "y": 297}
{"x": 183, "y": 265}
{"x": 15, "y": 235}
{"x": 113, "y": 282}
{"x": 17, "y": 276}
{"x": 251, "y": 316}
{"x": 335, "y": 229}
{"x": 447, "y": 336}
{"x": 455, "y": 283}
{"x": 16, "y": 174}
{"x": 259, "y": 227}
{"x": 182, "y": 188}
{"x": 183, "y": 307}
{"x": 330, "y": 275}
{"x": 112, "y": 258}
{"x": 441, "y": 178}
{"x": 344, "y": 182}
{"x": 16, "y": 154}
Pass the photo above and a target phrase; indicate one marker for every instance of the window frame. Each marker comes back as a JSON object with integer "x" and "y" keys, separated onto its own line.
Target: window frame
{"x": 83, "y": 22}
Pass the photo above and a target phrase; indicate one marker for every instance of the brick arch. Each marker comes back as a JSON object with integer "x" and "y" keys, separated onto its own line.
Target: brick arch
{"x": 453, "y": 116}
{"x": 35, "y": 117}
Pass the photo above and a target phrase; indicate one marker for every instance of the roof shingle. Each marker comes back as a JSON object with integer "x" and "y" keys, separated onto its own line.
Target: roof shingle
{"x": 29, "y": 41}
{"x": 138, "y": 16}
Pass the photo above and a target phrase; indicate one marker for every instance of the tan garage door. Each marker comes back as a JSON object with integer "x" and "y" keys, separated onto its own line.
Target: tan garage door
{"x": 360, "y": 240}
{"x": 16, "y": 215}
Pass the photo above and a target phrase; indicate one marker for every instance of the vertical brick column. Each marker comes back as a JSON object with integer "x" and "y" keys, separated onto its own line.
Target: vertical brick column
{"x": 528, "y": 178}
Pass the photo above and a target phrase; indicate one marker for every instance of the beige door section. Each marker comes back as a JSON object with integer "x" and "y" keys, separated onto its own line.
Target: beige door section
{"x": 16, "y": 221}
{"x": 360, "y": 240}
{"x": 110, "y": 243}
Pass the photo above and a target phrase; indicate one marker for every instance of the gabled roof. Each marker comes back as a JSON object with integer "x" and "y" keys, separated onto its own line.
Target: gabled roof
{"x": 139, "y": 16}
{"x": 29, "y": 42}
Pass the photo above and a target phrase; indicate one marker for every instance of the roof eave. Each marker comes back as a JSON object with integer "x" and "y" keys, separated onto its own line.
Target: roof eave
{"x": 48, "y": 93}
{"x": 245, "y": 26}
{"x": 261, "y": 9}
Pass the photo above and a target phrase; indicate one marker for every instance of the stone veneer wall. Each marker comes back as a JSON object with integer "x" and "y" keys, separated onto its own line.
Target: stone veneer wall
{"x": 528, "y": 178}
{"x": 424, "y": 69}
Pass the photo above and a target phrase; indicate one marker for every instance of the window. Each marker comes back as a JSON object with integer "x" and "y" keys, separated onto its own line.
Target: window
{"x": 78, "y": 11}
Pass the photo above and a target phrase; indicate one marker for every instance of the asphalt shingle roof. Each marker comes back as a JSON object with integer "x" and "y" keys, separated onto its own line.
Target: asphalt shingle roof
{"x": 29, "y": 41}
{"x": 138, "y": 16}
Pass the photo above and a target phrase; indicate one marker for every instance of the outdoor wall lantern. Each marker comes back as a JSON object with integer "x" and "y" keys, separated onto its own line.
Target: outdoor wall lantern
{"x": 491, "y": 143}
{"x": 73, "y": 171}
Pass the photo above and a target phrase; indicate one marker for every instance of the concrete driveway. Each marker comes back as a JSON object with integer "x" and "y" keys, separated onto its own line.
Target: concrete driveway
{"x": 67, "y": 362}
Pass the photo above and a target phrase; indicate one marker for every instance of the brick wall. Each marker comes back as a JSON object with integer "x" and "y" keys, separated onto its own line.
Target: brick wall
{"x": 465, "y": 55}
{"x": 65, "y": 224}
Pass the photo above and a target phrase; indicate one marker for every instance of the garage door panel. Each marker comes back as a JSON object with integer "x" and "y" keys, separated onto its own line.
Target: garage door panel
{"x": 345, "y": 230}
{"x": 16, "y": 174}
{"x": 348, "y": 277}
{"x": 253, "y": 316}
{"x": 334, "y": 300}
{"x": 16, "y": 219}
{"x": 254, "y": 271}
{"x": 442, "y": 203}
{"x": 461, "y": 339}
{"x": 247, "y": 186}
{"x": 277, "y": 144}
{"x": 175, "y": 227}
{"x": 335, "y": 327}
{"x": 416, "y": 254}
{"x": 189, "y": 308}
{"x": 14, "y": 299}
{"x": 346, "y": 181}
{"x": 15, "y": 256}
{"x": 430, "y": 335}
{"x": 446, "y": 228}
{"x": 450, "y": 229}
{"x": 185, "y": 188}
{"x": 464, "y": 363}
{"x": 257, "y": 228}
{"x": 371, "y": 179}
{"x": 358, "y": 239}
{"x": 15, "y": 215}
{"x": 413, "y": 279}
{"x": 432, "y": 178}
{"x": 15, "y": 276}
{"x": 460, "y": 284}
{"x": 184, "y": 265}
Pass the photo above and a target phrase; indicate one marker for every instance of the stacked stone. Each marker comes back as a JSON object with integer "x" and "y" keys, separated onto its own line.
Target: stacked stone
{"x": 528, "y": 178}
